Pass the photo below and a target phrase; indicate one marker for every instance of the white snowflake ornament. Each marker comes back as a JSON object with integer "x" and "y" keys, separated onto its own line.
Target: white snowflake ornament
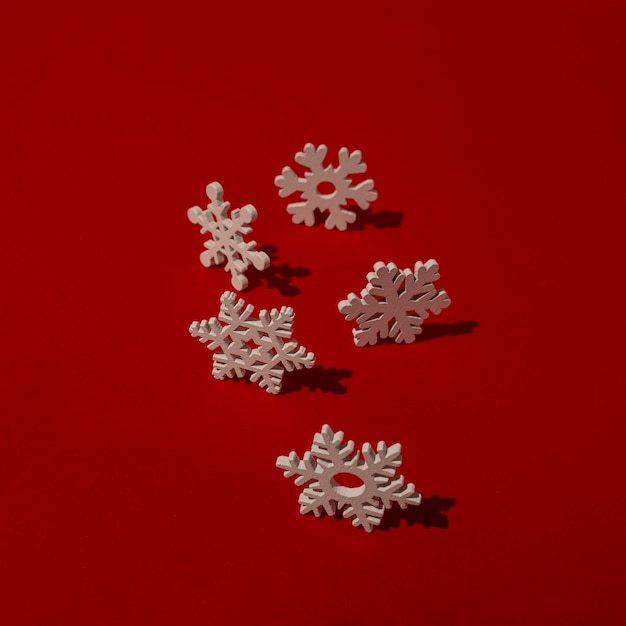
{"x": 227, "y": 232}
{"x": 233, "y": 343}
{"x": 337, "y": 181}
{"x": 394, "y": 303}
{"x": 320, "y": 470}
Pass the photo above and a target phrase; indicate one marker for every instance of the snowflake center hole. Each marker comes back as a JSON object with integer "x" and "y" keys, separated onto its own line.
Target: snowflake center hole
{"x": 347, "y": 484}
{"x": 325, "y": 189}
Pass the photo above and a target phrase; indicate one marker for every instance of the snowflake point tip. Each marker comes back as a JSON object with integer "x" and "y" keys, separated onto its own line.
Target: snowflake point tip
{"x": 215, "y": 191}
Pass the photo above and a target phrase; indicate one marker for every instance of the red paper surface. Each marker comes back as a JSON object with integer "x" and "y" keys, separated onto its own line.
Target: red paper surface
{"x": 137, "y": 490}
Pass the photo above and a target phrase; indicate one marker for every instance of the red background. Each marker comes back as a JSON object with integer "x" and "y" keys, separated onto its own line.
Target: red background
{"x": 137, "y": 490}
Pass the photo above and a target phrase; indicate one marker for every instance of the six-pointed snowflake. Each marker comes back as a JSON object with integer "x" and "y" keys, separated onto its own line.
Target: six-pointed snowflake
{"x": 337, "y": 180}
{"x": 233, "y": 341}
{"x": 227, "y": 232}
{"x": 394, "y": 303}
{"x": 328, "y": 458}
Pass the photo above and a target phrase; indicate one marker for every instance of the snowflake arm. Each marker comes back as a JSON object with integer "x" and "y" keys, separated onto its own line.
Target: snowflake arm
{"x": 305, "y": 469}
{"x": 227, "y": 233}
{"x": 337, "y": 178}
{"x": 352, "y": 163}
{"x": 328, "y": 457}
{"x": 302, "y": 212}
{"x": 394, "y": 303}
{"x": 426, "y": 296}
{"x": 231, "y": 343}
{"x": 384, "y": 464}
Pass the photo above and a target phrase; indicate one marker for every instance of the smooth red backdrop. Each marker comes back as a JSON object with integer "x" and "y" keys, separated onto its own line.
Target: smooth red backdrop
{"x": 137, "y": 490}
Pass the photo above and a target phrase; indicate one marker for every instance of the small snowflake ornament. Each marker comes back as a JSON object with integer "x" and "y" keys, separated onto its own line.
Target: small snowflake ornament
{"x": 227, "y": 232}
{"x": 233, "y": 342}
{"x": 337, "y": 181}
{"x": 321, "y": 468}
{"x": 394, "y": 303}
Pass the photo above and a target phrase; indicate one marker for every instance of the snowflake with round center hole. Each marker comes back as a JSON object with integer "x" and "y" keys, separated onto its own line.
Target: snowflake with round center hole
{"x": 329, "y": 458}
{"x": 326, "y": 188}
{"x": 227, "y": 232}
{"x": 234, "y": 356}
{"x": 394, "y": 303}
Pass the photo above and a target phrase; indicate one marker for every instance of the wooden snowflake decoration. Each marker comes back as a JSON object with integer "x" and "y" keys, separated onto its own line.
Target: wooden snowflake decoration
{"x": 338, "y": 192}
{"x": 227, "y": 233}
{"x": 261, "y": 346}
{"x": 395, "y": 303}
{"x": 321, "y": 468}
